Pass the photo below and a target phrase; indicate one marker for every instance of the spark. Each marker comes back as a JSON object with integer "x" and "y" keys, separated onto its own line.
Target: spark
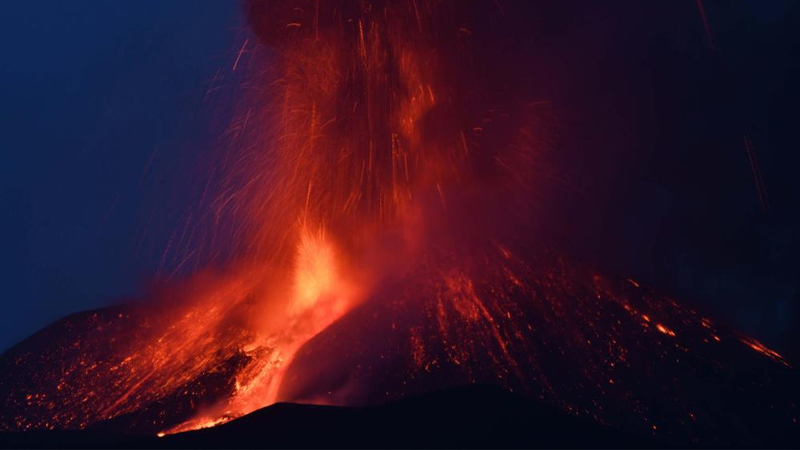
{"x": 751, "y": 156}
{"x": 240, "y": 53}
{"x": 764, "y": 350}
{"x": 665, "y": 330}
{"x": 706, "y": 26}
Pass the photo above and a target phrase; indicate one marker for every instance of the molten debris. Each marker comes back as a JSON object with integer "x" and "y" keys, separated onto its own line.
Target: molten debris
{"x": 386, "y": 205}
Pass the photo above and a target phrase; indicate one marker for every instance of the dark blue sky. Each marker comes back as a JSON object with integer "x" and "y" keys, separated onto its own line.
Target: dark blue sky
{"x": 106, "y": 107}
{"x": 90, "y": 93}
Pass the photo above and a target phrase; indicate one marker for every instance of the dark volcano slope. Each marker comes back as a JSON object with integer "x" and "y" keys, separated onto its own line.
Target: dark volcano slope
{"x": 610, "y": 351}
{"x": 467, "y": 417}
{"x": 104, "y": 364}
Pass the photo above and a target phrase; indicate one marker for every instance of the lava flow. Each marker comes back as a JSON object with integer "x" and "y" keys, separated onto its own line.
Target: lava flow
{"x": 388, "y": 199}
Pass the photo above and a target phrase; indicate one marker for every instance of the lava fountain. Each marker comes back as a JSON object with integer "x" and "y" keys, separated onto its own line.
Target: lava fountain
{"x": 389, "y": 197}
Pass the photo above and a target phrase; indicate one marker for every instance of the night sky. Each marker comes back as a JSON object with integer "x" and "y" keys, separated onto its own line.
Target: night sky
{"x": 104, "y": 113}
{"x": 108, "y": 109}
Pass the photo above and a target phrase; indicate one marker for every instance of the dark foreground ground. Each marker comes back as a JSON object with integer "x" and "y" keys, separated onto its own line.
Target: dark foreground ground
{"x": 476, "y": 416}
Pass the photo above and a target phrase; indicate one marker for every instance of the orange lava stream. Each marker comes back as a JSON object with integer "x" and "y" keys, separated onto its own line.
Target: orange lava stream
{"x": 373, "y": 155}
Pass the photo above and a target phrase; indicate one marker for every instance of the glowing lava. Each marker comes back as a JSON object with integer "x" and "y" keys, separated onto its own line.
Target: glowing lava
{"x": 386, "y": 201}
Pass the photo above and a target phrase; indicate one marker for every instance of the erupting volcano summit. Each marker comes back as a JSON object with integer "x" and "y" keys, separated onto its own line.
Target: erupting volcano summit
{"x": 391, "y": 201}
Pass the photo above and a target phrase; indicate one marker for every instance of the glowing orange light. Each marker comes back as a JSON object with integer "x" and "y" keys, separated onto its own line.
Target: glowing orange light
{"x": 764, "y": 350}
{"x": 369, "y": 168}
{"x": 665, "y": 330}
{"x": 315, "y": 271}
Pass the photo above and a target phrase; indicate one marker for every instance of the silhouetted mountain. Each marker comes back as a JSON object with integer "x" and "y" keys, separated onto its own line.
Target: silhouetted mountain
{"x": 609, "y": 351}
{"x": 468, "y": 417}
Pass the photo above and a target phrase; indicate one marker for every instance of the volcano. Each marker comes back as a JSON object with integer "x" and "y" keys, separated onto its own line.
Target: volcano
{"x": 609, "y": 350}
{"x": 392, "y": 203}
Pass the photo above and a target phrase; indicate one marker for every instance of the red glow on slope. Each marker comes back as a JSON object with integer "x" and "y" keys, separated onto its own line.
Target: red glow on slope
{"x": 384, "y": 183}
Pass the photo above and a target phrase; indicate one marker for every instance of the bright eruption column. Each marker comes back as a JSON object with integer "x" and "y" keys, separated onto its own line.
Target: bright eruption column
{"x": 388, "y": 196}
